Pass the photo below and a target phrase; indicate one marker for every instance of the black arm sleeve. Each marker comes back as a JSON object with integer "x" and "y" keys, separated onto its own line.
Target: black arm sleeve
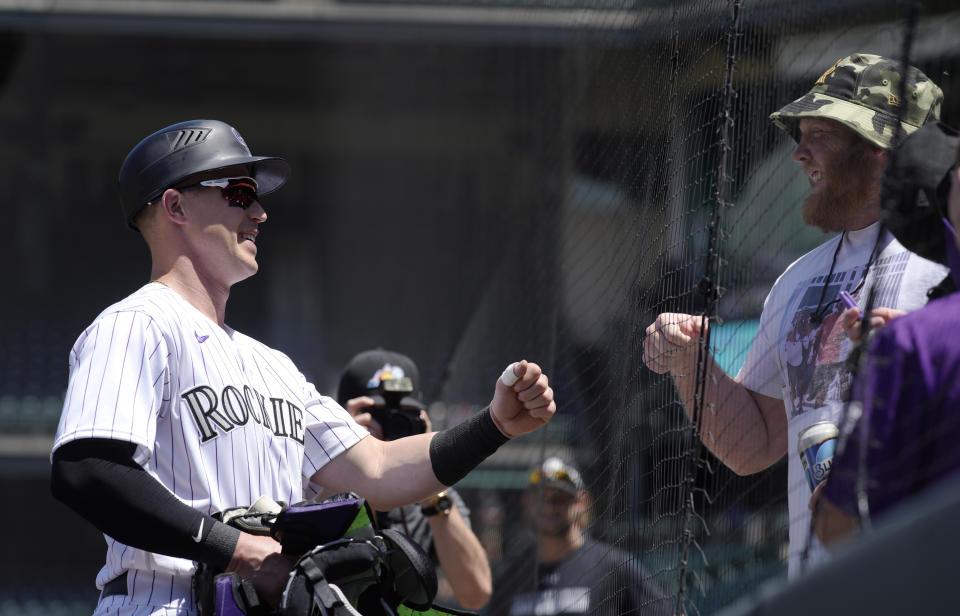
{"x": 99, "y": 479}
{"x": 456, "y": 451}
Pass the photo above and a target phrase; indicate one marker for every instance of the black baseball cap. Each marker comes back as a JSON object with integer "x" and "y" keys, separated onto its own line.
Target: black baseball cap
{"x": 558, "y": 474}
{"x": 363, "y": 374}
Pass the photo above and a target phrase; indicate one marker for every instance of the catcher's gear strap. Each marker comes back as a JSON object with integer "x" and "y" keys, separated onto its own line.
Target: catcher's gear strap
{"x": 238, "y": 597}
{"x": 456, "y": 451}
{"x": 350, "y": 564}
{"x": 321, "y": 590}
{"x": 99, "y": 479}
{"x": 414, "y": 575}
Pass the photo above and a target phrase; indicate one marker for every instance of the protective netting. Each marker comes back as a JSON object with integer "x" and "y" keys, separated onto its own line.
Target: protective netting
{"x": 691, "y": 205}
{"x": 473, "y": 183}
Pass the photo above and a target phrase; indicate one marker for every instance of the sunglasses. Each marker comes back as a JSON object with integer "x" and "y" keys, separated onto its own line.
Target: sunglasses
{"x": 238, "y": 191}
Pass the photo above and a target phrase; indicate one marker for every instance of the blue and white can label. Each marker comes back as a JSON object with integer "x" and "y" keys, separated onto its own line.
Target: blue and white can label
{"x": 816, "y": 444}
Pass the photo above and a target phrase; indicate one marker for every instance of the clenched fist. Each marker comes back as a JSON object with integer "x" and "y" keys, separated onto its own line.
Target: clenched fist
{"x": 526, "y": 404}
{"x": 671, "y": 340}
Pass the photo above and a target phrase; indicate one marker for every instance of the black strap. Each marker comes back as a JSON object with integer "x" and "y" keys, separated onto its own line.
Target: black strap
{"x": 321, "y": 591}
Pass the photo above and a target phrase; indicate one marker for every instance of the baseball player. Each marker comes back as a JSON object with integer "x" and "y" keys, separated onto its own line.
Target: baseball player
{"x": 171, "y": 415}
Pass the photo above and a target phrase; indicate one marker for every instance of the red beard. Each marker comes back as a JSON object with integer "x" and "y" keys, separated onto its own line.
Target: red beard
{"x": 852, "y": 181}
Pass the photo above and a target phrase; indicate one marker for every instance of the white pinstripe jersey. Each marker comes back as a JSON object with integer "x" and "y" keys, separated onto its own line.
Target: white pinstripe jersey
{"x": 218, "y": 418}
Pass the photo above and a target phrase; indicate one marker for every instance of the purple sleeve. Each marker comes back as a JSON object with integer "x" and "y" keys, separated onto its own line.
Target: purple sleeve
{"x": 891, "y": 388}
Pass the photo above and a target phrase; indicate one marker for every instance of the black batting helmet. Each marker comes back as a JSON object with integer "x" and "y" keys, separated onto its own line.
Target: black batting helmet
{"x": 176, "y": 152}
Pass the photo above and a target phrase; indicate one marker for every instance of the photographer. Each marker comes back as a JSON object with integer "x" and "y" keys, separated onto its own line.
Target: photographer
{"x": 381, "y": 390}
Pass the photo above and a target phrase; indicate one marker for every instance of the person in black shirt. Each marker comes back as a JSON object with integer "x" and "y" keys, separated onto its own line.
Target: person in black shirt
{"x": 567, "y": 571}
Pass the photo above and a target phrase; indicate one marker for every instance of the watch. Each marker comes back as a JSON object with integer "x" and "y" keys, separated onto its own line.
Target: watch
{"x": 441, "y": 504}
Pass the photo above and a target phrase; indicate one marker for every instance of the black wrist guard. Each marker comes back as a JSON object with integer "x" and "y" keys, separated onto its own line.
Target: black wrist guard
{"x": 219, "y": 544}
{"x": 456, "y": 451}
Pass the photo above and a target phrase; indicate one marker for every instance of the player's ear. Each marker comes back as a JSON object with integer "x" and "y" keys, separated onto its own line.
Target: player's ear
{"x": 880, "y": 157}
{"x": 583, "y": 499}
{"x": 171, "y": 202}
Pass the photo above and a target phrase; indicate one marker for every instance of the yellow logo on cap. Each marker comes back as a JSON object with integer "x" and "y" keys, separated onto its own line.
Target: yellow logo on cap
{"x": 892, "y": 100}
{"x": 826, "y": 73}
{"x": 387, "y": 373}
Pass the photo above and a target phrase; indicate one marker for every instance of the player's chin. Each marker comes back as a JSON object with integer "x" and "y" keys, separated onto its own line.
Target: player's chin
{"x": 251, "y": 268}
{"x": 250, "y": 261}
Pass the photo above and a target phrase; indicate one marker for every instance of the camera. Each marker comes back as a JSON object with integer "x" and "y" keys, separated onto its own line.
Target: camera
{"x": 395, "y": 409}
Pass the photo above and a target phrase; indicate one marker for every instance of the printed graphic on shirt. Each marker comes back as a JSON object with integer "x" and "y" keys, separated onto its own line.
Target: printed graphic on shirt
{"x": 552, "y": 601}
{"x": 815, "y": 346}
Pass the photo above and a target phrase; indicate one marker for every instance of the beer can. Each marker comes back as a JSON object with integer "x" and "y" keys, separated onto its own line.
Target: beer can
{"x": 816, "y": 444}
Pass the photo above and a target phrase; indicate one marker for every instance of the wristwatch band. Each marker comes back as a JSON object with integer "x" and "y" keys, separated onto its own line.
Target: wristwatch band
{"x": 440, "y": 505}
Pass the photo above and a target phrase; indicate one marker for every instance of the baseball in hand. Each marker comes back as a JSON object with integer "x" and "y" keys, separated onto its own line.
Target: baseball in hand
{"x": 509, "y": 377}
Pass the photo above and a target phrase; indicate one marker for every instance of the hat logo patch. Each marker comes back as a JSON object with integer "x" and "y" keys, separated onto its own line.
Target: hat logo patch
{"x": 892, "y": 100}
{"x": 387, "y": 373}
{"x": 828, "y": 72}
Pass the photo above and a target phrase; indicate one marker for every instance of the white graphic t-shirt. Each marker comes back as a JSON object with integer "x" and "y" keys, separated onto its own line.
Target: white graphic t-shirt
{"x": 218, "y": 418}
{"x": 800, "y": 349}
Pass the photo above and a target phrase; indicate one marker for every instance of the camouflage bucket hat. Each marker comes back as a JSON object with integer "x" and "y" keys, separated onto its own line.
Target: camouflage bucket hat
{"x": 862, "y": 92}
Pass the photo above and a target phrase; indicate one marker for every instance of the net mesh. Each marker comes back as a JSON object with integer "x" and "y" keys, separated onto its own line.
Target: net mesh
{"x": 689, "y": 204}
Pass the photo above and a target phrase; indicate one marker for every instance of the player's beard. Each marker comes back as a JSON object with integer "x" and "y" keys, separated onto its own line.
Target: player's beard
{"x": 852, "y": 184}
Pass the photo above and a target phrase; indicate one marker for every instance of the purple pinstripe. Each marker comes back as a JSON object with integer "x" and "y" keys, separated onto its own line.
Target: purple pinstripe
{"x": 126, "y": 348}
{"x": 96, "y": 405}
{"x": 87, "y": 383}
